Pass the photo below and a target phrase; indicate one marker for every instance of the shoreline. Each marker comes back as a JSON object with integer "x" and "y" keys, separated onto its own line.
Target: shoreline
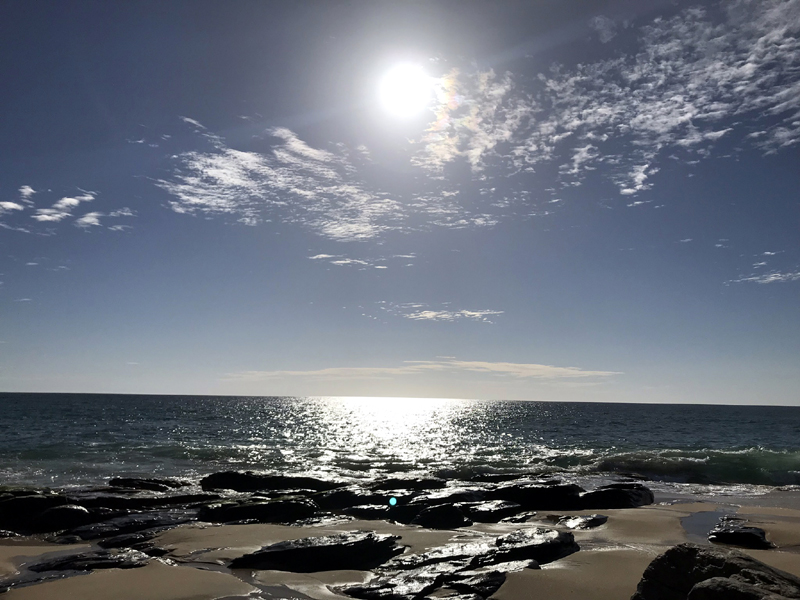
{"x": 609, "y": 564}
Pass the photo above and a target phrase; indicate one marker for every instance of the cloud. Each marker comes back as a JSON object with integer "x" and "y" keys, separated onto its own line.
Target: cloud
{"x": 424, "y": 312}
{"x": 89, "y": 220}
{"x": 294, "y": 182}
{"x": 774, "y": 277}
{"x": 519, "y": 371}
{"x": 606, "y": 28}
{"x": 25, "y": 193}
{"x": 63, "y": 208}
{"x": 9, "y": 206}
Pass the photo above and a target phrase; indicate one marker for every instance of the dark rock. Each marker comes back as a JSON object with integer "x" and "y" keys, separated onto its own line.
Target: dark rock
{"x": 538, "y": 543}
{"x": 581, "y": 522}
{"x": 404, "y": 586}
{"x": 722, "y": 588}
{"x": 489, "y": 512}
{"x": 88, "y": 561}
{"x": 17, "y": 512}
{"x": 358, "y": 550}
{"x": 151, "y": 484}
{"x": 253, "y": 482}
{"x": 538, "y": 496}
{"x": 443, "y": 516}
{"x": 733, "y": 531}
{"x": 450, "y": 496}
{"x": 483, "y": 584}
{"x": 408, "y": 483}
{"x": 141, "y": 502}
{"x": 617, "y": 495}
{"x": 674, "y": 574}
{"x": 497, "y": 477}
{"x": 347, "y": 497}
{"x": 128, "y": 524}
{"x": 401, "y": 513}
{"x": 520, "y": 518}
{"x": 4, "y": 533}
{"x": 129, "y": 540}
{"x": 272, "y": 511}
{"x": 62, "y": 517}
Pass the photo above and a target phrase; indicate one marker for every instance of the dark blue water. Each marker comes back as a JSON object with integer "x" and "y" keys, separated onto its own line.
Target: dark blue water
{"x": 77, "y": 439}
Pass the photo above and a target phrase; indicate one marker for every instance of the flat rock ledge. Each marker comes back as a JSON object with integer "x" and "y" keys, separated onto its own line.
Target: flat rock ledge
{"x": 692, "y": 572}
{"x": 359, "y": 550}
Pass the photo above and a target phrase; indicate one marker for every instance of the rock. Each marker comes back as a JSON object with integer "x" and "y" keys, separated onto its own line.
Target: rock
{"x": 483, "y": 584}
{"x": 408, "y": 483}
{"x": 88, "y": 561}
{"x": 450, "y": 496}
{"x": 401, "y": 513}
{"x": 676, "y": 573}
{"x": 491, "y": 511}
{"x": 129, "y": 540}
{"x": 522, "y": 517}
{"x": 497, "y": 477}
{"x": 403, "y": 586}
{"x": 347, "y": 497}
{"x": 537, "y": 543}
{"x": 253, "y": 482}
{"x": 128, "y": 524}
{"x": 94, "y": 500}
{"x": 151, "y": 484}
{"x": 62, "y": 517}
{"x": 18, "y": 511}
{"x": 273, "y": 511}
{"x": 617, "y": 495}
{"x": 5, "y": 533}
{"x": 537, "y": 496}
{"x": 443, "y": 516}
{"x": 733, "y": 531}
{"x": 581, "y": 522}
{"x": 358, "y": 550}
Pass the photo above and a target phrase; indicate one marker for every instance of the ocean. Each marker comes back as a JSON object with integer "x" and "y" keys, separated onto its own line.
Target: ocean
{"x": 70, "y": 440}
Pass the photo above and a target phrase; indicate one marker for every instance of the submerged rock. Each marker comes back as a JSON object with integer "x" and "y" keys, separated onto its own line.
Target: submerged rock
{"x": 358, "y": 550}
{"x": 617, "y": 495}
{"x": 254, "y": 482}
{"x": 88, "y": 561}
{"x": 409, "y": 483}
{"x": 733, "y": 531}
{"x": 443, "y": 516}
{"x": 272, "y": 511}
{"x": 713, "y": 573}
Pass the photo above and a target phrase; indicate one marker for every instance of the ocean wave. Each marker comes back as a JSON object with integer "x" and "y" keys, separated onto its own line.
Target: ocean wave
{"x": 757, "y": 466}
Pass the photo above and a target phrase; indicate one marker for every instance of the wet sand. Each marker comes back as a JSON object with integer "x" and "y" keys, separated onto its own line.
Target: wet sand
{"x": 609, "y": 564}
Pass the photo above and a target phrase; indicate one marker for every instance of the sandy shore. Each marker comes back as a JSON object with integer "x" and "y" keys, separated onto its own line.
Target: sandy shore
{"x": 609, "y": 564}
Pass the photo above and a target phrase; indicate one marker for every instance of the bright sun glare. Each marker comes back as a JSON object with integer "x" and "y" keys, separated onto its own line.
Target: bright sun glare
{"x": 405, "y": 90}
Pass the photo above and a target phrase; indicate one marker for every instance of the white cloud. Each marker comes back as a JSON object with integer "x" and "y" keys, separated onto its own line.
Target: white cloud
{"x": 63, "y": 208}
{"x": 774, "y": 277}
{"x": 519, "y": 371}
{"x": 26, "y": 191}
{"x": 192, "y": 122}
{"x": 8, "y": 206}
{"x": 417, "y": 311}
{"x": 89, "y": 220}
{"x": 606, "y": 28}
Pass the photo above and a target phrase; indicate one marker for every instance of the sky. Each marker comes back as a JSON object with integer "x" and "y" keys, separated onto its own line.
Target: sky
{"x": 566, "y": 200}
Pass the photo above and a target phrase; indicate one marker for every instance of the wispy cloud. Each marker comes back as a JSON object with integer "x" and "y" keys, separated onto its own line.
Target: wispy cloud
{"x": 425, "y": 312}
{"x": 519, "y": 371}
{"x": 773, "y": 277}
{"x": 63, "y": 208}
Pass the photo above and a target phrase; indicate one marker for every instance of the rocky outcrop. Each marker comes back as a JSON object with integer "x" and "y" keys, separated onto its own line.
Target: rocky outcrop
{"x": 18, "y": 512}
{"x": 274, "y": 511}
{"x": 531, "y": 495}
{"x": 88, "y": 561}
{"x": 358, "y": 550}
{"x": 491, "y": 511}
{"x": 66, "y": 516}
{"x": 249, "y": 481}
{"x": 151, "y": 484}
{"x": 617, "y": 495}
{"x": 734, "y": 531}
{"x": 443, "y": 516}
{"x": 689, "y": 571}
{"x": 581, "y": 522}
{"x": 409, "y": 483}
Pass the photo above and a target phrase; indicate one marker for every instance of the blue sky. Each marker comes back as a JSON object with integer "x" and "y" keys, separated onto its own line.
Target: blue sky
{"x": 597, "y": 202}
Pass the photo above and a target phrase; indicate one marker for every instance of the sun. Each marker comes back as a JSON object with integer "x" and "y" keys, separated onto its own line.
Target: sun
{"x": 405, "y": 90}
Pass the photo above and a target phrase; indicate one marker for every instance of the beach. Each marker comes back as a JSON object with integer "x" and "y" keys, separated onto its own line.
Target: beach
{"x": 609, "y": 564}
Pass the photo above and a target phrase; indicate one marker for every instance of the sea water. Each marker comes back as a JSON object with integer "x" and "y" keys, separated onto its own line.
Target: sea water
{"x": 65, "y": 440}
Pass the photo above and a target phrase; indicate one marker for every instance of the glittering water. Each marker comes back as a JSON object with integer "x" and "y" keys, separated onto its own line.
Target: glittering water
{"x": 66, "y": 439}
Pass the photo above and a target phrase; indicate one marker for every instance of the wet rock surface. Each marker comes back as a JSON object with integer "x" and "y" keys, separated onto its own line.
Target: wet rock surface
{"x": 253, "y": 482}
{"x": 359, "y": 550}
{"x": 152, "y": 484}
{"x": 617, "y": 495}
{"x": 580, "y": 522}
{"x": 539, "y": 496}
{"x": 735, "y": 532}
{"x": 443, "y": 516}
{"x": 274, "y": 511}
{"x": 490, "y": 512}
{"x": 689, "y": 571}
{"x": 89, "y": 561}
